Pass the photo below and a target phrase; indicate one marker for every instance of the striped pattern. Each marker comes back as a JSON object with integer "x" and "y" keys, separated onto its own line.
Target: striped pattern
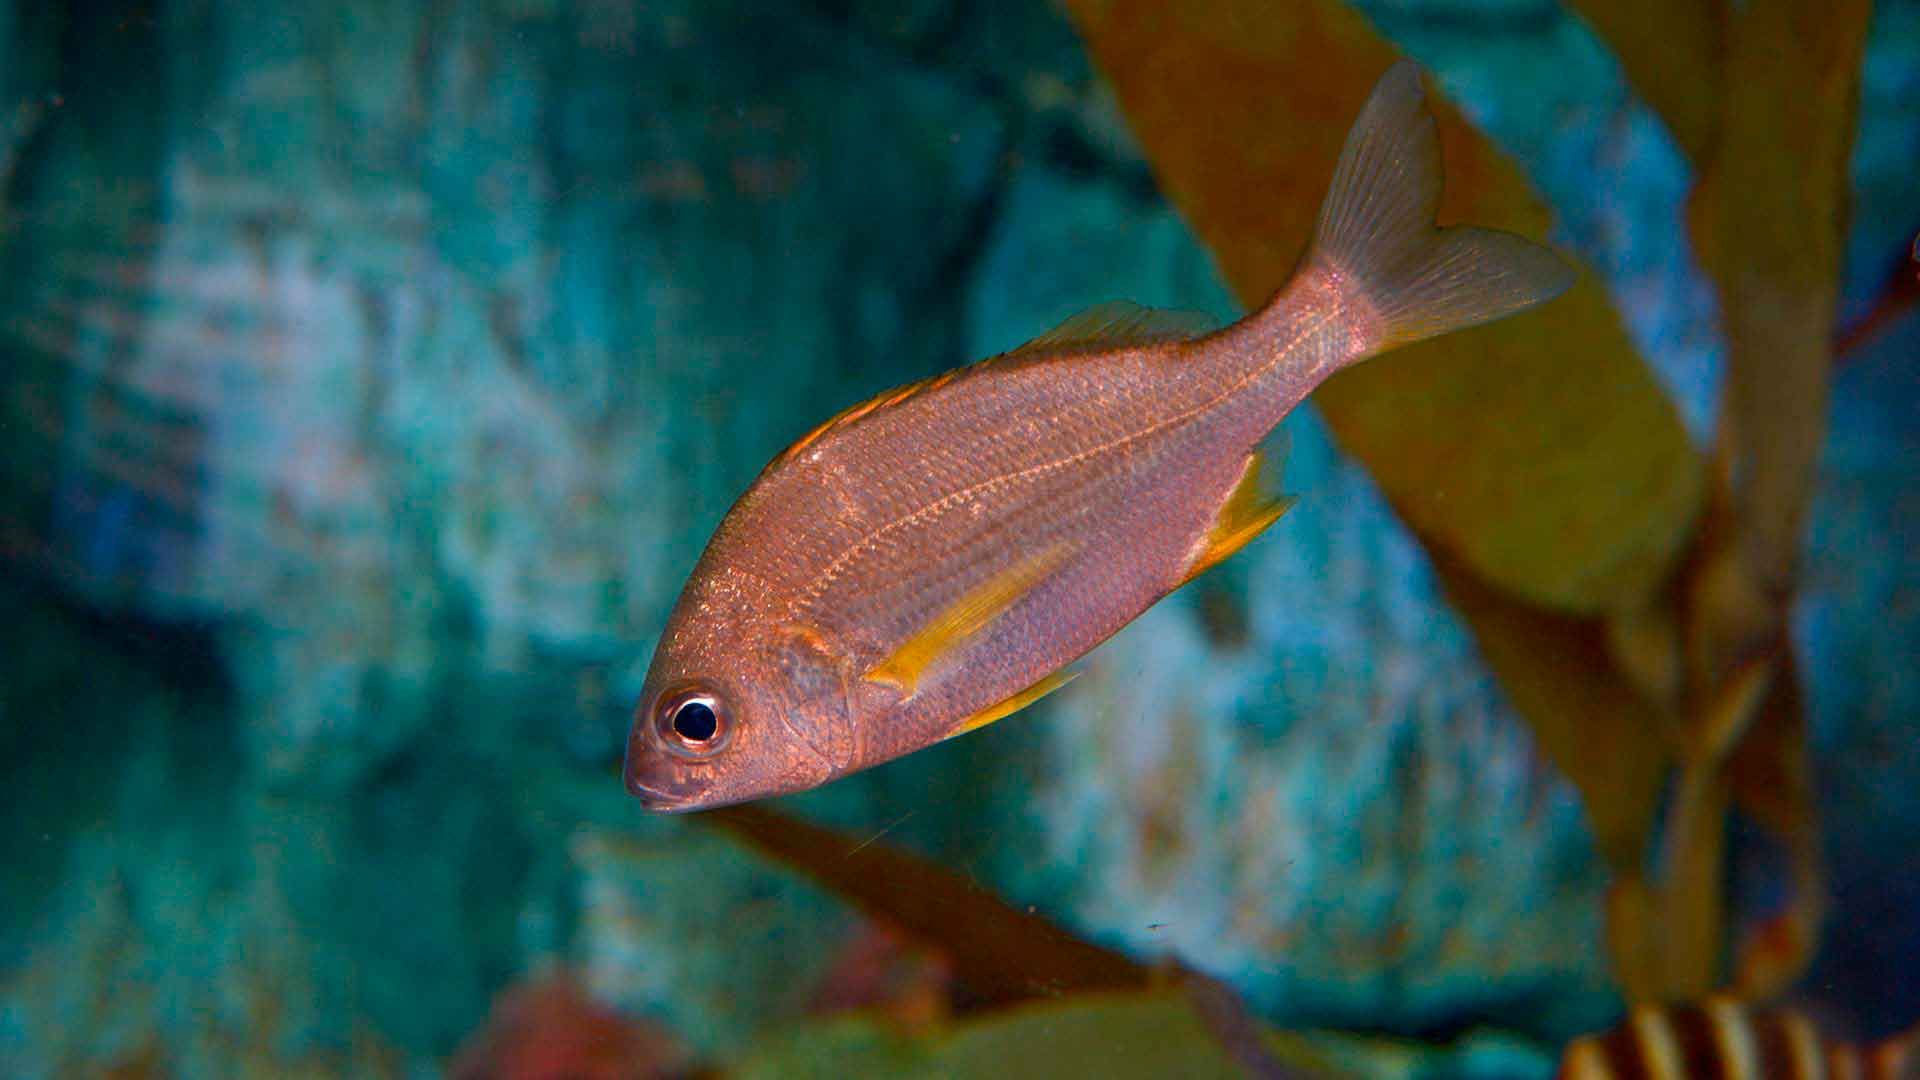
{"x": 1725, "y": 1040}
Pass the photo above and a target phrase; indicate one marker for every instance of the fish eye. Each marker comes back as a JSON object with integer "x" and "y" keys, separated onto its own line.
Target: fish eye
{"x": 696, "y": 721}
{"x": 692, "y": 722}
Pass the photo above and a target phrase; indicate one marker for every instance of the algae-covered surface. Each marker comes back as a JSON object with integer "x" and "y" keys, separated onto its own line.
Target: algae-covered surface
{"x": 374, "y": 373}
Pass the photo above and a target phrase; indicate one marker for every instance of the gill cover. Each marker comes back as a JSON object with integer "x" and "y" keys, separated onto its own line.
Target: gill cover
{"x": 814, "y": 709}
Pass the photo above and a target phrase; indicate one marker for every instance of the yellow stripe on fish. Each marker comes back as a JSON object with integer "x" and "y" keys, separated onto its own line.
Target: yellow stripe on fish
{"x": 968, "y": 616}
{"x": 1015, "y": 703}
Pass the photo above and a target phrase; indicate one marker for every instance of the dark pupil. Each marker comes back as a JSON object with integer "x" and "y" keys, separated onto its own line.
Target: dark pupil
{"x": 695, "y": 722}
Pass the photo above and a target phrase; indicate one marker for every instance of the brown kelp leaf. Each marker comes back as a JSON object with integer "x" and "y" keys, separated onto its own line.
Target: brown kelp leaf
{"x": 1602, "y": 734}
{"x": 1727, "y": 626}
{"x": 1769, "y": 218}
{"x": 1633, "y": 947}
{"x": 1002, "y": 956}
{"x": 1770, "y": 769}
{"x": 1771, "y": 773}
{"x": 1672, "y": 53}
{"x": 1691, "y": 928}
{"x": 1590, "y": 723}
{"x": 1645, "y": 646}
{"x": 1539, "y": 451}
{"x": 999, "y": 954}
{"x": 1769, "y": 221}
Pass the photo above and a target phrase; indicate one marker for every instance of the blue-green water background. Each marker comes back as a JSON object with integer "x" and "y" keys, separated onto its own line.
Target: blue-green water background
{"x": 388, "y": 364}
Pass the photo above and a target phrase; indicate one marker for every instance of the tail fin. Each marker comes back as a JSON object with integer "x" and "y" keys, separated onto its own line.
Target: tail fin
{"x": 1377, "y": 226}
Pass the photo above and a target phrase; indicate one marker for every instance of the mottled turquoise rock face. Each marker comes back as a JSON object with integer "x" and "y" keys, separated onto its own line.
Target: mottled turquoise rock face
{"x": 375, "y": 373}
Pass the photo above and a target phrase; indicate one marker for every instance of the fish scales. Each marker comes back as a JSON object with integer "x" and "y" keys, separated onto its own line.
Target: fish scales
{"x": 1147, "y": 447}
{"x": 943, "y": 551}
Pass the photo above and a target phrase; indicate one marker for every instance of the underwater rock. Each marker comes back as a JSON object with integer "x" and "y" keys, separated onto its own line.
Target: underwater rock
{"x": 151, "y": 925}
{"x": 467, "y": 348}
{"x": 689, "y": 928}
{"x": 415, "y": 371}
{"x": 882, "y": 973}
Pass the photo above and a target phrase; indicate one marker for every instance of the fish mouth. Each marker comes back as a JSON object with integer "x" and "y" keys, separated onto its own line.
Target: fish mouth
{"x": 661, "y": 804}
{"x": 659, "y": 801}
{"x": 653, "y": 799}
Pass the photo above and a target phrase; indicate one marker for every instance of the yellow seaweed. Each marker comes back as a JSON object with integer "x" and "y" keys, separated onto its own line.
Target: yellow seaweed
{"x": 1673, "y": 52}
{"x": 1633, "y": 611}
{"x": 1768, "y": 218}
{"x": 1540, "y": 451}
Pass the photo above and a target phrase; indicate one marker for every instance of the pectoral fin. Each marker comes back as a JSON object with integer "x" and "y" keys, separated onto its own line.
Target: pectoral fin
{"x": 1015, "y": 703}
{"x": 966, "y": 617}
{"x": 1247, "y": 513}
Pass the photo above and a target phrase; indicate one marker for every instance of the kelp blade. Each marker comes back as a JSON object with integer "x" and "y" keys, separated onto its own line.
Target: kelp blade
{"x": 1540, "y": 451}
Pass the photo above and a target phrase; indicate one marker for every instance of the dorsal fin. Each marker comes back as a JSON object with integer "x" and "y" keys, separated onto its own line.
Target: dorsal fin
{"x": 1104, "y": 326}
{"x": 851, "y": 413}
{"x": 1118, "y": 323}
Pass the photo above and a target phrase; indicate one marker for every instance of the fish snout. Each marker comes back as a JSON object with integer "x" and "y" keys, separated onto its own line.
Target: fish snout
{"x": 659, "y": 803}
{"x": 655, "y": 778}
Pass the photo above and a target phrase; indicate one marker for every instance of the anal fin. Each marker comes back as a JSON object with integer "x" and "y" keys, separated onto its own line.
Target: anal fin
{"x": 967, "y": 616}
{"x": 1247, "y": 512}
{"x": 1015, "y": 703}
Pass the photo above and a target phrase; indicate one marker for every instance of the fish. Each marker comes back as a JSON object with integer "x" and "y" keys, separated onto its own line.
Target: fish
{"x": 1727, "y": 1040}
{"x": 938, "y": 556}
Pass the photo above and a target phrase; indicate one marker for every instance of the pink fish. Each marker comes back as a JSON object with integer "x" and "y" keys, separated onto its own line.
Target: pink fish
{"x": 932, "y": 559}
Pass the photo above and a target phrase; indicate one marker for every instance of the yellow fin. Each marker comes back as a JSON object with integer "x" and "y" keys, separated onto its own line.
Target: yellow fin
{"x": 1246, "y": 514}
{"x": 966, "y": 617}
{"x": 1117, "y": 323}
{"x": 1015, "y": 703}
